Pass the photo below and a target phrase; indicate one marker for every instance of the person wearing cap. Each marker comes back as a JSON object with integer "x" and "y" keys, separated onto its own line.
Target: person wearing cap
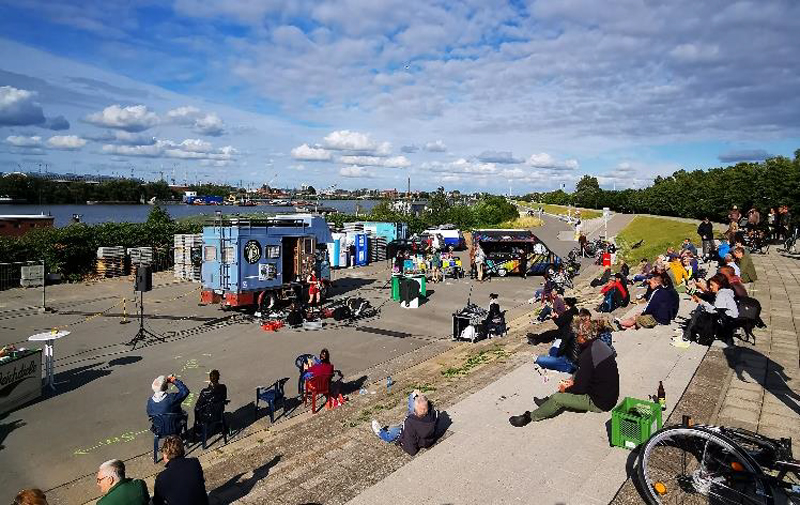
{"x": 167, "y": 403}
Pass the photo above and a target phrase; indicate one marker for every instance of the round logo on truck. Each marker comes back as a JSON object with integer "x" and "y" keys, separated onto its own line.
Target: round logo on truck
{"x": 252, "y": 251}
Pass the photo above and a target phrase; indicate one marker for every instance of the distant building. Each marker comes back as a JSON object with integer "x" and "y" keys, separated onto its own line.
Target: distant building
{"x": 17, "y": 225}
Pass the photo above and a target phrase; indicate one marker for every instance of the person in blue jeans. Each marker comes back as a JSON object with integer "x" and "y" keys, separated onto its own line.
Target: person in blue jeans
{"x": 562, "y": 356}
{"x": 418, "y": 429}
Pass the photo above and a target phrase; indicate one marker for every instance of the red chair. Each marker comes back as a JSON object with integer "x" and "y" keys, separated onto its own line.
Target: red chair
{"x": 317, "y": 386}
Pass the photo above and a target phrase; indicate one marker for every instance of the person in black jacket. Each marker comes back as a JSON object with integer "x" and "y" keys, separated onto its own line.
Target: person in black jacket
{"x": 182, "y": 481}
{"x": 211, "y": 394}
{"x": 706, "y": 232}
{"x": 593, "y": 388}
{"x": 418, "y": 431}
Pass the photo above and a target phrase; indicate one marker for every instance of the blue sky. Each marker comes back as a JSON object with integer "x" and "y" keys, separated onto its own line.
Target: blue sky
{"x": 470, "y": 94}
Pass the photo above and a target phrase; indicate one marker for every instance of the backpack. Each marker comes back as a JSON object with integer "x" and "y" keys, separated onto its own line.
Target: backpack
{"x": 294, "y": 318}
{"x": 749, "y": 308}
{"x": 341, "y": 313}
{"x": 704, "y": 330}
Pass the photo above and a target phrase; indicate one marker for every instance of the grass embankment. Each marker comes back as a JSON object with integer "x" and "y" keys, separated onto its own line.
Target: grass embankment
{"x": 563, "y": 210}
{"x": 521, "y": 223}
{"x": 657, "y": 234}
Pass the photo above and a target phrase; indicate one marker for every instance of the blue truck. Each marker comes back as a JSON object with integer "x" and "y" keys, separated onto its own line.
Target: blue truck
{"x": 260, "y": 261}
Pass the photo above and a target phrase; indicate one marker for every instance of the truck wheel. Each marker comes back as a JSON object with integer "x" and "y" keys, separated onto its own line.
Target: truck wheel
{"x": 267, "y": 301}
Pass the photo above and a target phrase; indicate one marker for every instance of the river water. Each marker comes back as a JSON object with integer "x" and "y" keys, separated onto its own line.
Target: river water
{"x": 93, "y": 214}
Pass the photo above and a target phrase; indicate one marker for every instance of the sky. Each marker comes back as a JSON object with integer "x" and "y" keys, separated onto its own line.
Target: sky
{"x": 475, "y": 95}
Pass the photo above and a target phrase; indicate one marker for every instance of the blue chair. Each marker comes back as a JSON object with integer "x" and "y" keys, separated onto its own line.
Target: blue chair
{"x": 300, "y": 362}
{"x": 209, "y": 416}
{"x": 272, "y": 396}
{"x": 164, "y": 425}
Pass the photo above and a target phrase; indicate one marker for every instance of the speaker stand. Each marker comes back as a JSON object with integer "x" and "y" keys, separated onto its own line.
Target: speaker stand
{"x": 143, "y": 336}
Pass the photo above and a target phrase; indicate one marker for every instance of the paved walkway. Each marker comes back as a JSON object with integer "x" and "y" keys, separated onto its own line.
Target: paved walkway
{"x": 763, "y": 390}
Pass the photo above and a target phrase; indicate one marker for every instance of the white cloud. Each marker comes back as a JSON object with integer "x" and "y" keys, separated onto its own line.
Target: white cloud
{"x": 436, "y": 147}
{"x": 20, "y": 141}
{"x": 461, "y": 166}
{"x": 210, "y": 124}
{"x": 18, "y": 107}
{"x": 355, "y": 172}
{"x": 184, "y": 115}
{"x": 195, "y": 146}
{"x": 205, "y": 123}
{"x": 308, "y": 153}
{"x": 346, "y": 140}
{"x": 544, "y": 160}
{"x": 66, "y": 142}
{"x": 376, "y": 161}
{"x": 133, "y": 118}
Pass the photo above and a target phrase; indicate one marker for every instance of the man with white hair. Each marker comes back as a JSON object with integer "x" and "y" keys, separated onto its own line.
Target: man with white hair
{"x": 167, "y": 403}
{"x": 117, "y": 489}
{"x": 417, "y": 431}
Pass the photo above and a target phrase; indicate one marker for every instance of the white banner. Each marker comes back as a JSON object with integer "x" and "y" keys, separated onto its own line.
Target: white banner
{"x": 20, "y": 379}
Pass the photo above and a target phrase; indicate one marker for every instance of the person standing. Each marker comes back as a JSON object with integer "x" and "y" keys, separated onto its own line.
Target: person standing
{"x": 117, "y": 489}
{"x": 182, "y": 481}
{"x": 706, "y": 232}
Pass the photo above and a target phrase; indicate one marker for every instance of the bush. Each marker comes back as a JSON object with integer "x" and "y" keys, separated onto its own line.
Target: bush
{"x": 71, "y": 250}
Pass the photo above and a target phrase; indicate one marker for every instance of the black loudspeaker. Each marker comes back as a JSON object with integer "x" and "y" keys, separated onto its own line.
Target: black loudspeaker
{"x": 144, "y": 278}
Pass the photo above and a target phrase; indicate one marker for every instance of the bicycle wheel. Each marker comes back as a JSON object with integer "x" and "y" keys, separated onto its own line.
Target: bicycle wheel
{"x": 698, "y": 466}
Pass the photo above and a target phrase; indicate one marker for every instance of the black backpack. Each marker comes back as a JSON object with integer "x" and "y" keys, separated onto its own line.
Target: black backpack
{"x": 341, "y": 313}
{"x": 294, "y": 318}
{"x": 705, "y": 329}
{"x": 749, "y": 308}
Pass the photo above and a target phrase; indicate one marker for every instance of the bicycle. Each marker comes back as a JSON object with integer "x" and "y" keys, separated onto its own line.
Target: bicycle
{"x": 790, "y": 244}
{"x": 718, "y": 465}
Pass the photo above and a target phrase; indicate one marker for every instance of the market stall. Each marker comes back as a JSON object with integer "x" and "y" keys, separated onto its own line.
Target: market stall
{"x": 514, "y": 252}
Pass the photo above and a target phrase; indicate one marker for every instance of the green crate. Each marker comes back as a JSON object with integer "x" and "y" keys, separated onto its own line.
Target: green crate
{"x": 629, "y": 428}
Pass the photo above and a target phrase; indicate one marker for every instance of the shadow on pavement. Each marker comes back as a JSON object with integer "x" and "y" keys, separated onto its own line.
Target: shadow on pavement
{"x": 235, "y": 489}
{"x": 767, "y": 373}
{"x": 7, "y": 428}
{"x": 343, "y": 285}
{"x": 75, "y": 378}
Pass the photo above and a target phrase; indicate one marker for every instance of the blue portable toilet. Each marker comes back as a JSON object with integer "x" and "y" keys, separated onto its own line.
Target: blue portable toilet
{"x": 361, "y": 249}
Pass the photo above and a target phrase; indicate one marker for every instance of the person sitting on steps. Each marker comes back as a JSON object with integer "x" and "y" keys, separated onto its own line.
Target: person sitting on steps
{"x": 593, "y": 388}
{"x": 418, "y": 431}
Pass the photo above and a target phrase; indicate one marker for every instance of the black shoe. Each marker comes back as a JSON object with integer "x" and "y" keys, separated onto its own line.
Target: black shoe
{"x": 539, "y": 401}
{"x": 520, "y": 420}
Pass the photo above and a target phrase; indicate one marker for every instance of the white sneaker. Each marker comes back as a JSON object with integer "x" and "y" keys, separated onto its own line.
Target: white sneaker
{"x": 376, "y": 427}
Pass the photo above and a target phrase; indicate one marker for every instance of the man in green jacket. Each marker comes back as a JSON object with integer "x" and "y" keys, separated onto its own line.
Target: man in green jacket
{"x": 118, "y": 490}
{"x": 746, "y": 267}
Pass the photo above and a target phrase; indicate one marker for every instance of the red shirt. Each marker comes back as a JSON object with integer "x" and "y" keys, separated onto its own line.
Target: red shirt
{"x": 321, "y": 369}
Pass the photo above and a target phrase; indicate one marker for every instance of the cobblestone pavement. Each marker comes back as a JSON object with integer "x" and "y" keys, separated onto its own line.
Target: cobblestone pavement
{"x": 763, "y": 391}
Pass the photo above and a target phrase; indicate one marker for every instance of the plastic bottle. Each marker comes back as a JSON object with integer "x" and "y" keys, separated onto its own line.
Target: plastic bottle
{"x": 662, "y": 396}
{"x": 389, "y": 384}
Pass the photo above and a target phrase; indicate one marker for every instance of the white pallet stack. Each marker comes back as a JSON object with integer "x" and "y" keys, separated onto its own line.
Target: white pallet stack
{"x": 183, "y": 267}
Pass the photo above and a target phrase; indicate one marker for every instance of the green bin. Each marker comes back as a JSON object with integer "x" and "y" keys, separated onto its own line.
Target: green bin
{"x": 422, "y": 289}
{"x": 396, "y": 287}
{"x": 633, "y": 421}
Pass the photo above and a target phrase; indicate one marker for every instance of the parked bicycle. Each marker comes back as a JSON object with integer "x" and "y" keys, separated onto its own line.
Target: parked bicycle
{"x": 790, "y": 244}
{"x": 718, "y": 465}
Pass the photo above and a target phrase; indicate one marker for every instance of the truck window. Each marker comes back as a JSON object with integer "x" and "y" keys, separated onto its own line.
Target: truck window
{"x": 228, "y": 254}
{"x": 209, "y": 253}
